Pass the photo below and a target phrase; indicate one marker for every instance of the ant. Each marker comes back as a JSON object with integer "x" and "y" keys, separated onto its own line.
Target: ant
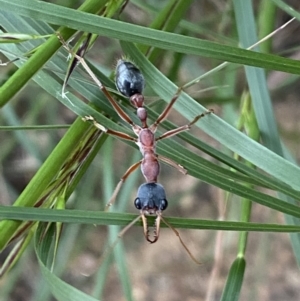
{"x": 151, "y": 196}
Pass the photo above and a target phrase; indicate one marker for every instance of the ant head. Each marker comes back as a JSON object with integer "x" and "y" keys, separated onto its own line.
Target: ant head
{"x": 151, "y": 198}
{"x": 129, "y": 79}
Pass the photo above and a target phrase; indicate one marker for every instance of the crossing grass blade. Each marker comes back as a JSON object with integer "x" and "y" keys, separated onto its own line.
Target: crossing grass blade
{"x": 122, "y": 219}
{"x": 59, "y": 288}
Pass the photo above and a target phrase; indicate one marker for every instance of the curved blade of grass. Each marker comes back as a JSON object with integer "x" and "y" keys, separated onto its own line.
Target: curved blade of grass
{"x": 60, "y": 289}
{"x": 79, "y": 20}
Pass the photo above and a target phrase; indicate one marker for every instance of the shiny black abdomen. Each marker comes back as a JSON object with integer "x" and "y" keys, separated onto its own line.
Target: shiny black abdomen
{"x": 129, "y": 79}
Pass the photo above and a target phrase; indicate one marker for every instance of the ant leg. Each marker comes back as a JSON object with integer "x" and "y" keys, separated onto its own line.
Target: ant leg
{"x": 131, "y": 169}
{"x": 123, "y": 7}
{"x": 183, "y": 128}
{"x": 9, "y": 62}
{"x": 80, "y": 52}
{"x": 165, "y": 112}
{"x": 180, "y": 239}
{"x": 120, "y": 235}
{"x": 175, "y": 132}
{"x": 115, "y": 105}
{"x": 172, "y": 163}
{"x": 109, "y": 131}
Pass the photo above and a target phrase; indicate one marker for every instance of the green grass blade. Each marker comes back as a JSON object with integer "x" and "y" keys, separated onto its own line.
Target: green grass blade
{"x": 260, "y": 95}
{"x": 44, "y": 176}
{"x": 257, "y": 80}
{"x": 60, "y": 289}
{"x": 288, "y": 9}
{"x": 167, "y": 20}
{"x": 234, "y": 281}
{"x": 128, "y": 32}
{"x": 122, "y": 219}
{"x": 44, "y": 52}
{"x": 119, "y": 250}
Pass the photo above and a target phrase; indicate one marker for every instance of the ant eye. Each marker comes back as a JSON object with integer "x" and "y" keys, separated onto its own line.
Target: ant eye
{"x": 138, "y": 204}
{"x": 163, "y": 205}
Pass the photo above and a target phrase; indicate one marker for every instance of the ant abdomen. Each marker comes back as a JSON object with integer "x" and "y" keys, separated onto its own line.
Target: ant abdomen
{"x": 129, "y": 79}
